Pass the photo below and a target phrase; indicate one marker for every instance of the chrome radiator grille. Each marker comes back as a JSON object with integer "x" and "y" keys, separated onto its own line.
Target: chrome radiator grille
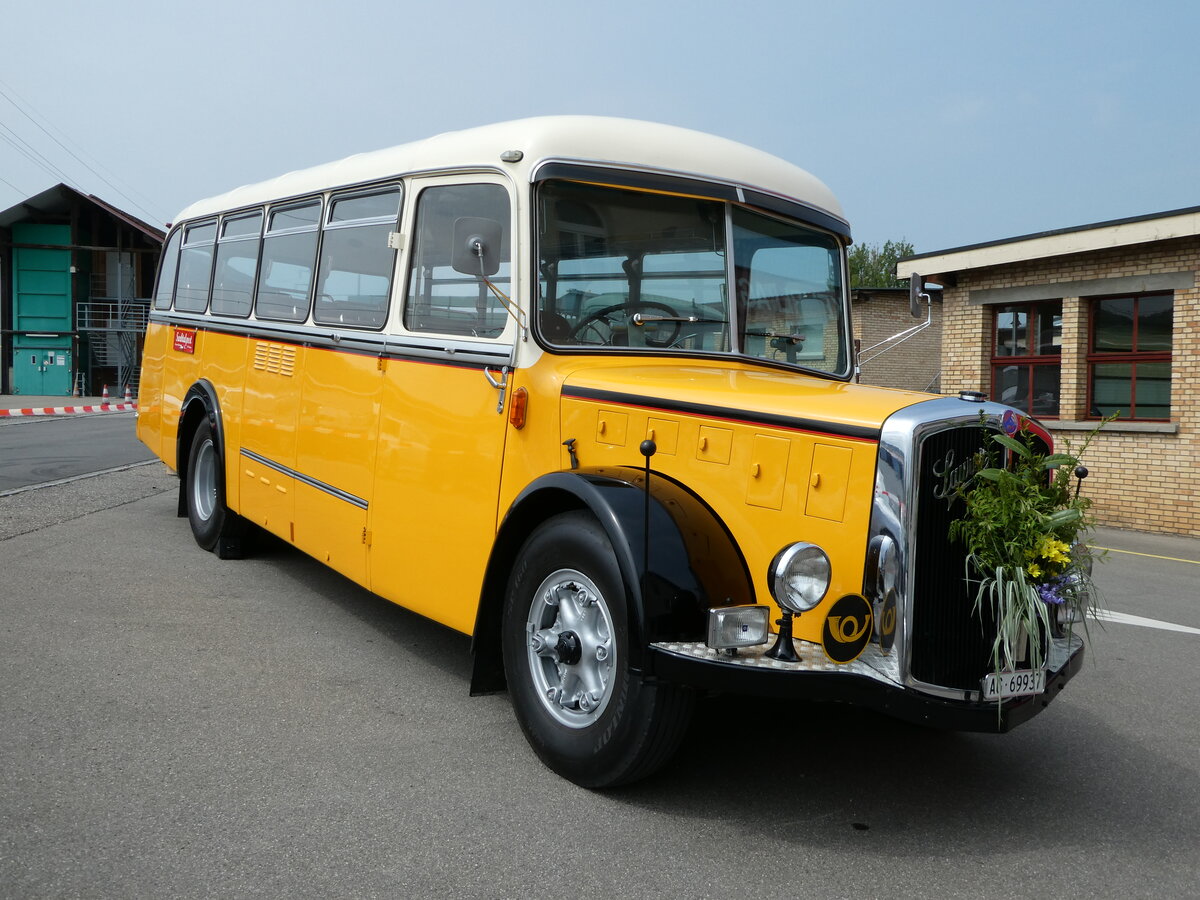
{"x": 951, "y": 645}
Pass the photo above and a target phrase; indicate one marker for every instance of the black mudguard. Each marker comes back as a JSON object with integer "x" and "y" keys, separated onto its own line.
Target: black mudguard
{"x": 200, "y": 401}
{"x": 676, "y": 558}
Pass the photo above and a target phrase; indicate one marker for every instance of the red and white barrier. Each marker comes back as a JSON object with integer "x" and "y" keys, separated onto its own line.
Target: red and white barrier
{"x": 66, "y": 410}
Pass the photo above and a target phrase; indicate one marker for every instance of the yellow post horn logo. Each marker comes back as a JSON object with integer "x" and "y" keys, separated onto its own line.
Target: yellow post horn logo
{"x": 847, "y": 629}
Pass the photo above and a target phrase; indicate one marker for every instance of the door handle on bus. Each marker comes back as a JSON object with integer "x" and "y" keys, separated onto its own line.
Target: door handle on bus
{"x": 501, "y": 385}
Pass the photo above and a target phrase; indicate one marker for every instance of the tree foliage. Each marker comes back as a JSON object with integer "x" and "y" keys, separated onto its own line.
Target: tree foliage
{"x": 873, "y": 266}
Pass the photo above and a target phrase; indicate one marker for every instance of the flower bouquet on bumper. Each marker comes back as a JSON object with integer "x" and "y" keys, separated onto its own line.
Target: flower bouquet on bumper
{"x": 1023, "y": 529}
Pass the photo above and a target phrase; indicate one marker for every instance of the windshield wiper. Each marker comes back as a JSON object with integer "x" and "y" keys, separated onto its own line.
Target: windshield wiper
{"x": 643, "y": 319}
{"x": 785, "y": 338}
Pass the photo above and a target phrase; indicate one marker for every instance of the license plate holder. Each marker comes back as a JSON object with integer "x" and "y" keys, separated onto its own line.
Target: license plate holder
{"x": 1022, "y": 683}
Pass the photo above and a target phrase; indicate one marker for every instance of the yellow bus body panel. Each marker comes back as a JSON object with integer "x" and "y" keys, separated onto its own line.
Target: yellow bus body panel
{"x": 404, "y": 470}
{"x": 720, "y": 431}
{"x": 437, "y": 479}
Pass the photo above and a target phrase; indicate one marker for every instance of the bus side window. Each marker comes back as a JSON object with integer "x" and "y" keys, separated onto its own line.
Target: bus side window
{"x": 354, "y": 278}
{"x": 289, "y": 258}
{"x": 195, "y": 267}
{"x": 237, "y": 264}
{"x": 166, "y": 272}
{"x": 439, "y": 298}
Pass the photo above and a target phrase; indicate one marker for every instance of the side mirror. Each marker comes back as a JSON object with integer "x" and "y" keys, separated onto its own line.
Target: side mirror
{"x": 476, "y": 246}
{"x": 916, "y": 293}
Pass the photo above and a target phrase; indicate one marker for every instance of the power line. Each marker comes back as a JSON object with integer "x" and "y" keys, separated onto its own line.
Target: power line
{"x": 31, "y": 153}
{"x": 15, "y": 188}
{"x": 10, "y": 94}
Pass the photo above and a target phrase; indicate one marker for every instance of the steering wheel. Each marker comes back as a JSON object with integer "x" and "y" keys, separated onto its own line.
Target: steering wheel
{"x": 630, "y": 309}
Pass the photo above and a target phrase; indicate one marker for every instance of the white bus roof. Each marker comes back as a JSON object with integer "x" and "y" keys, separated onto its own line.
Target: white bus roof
{"x": 595, "y": 140}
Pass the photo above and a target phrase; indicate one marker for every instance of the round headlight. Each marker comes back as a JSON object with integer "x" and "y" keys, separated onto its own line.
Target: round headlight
{"x": 799, "y": 577}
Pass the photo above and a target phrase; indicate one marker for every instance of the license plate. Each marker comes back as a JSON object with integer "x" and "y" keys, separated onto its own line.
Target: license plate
{"x": 1014, "y": 684}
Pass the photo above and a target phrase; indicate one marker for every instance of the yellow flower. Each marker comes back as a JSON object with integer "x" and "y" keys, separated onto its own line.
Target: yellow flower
{"x": 1053, "y": 550}
{"x": 1034, "y": 570}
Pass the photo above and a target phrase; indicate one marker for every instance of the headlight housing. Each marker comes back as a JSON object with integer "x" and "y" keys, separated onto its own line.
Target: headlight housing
{"x": 799, "y": 576}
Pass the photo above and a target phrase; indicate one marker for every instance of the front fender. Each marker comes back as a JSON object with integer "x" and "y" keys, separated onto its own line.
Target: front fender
{"x": 675, "y": 556}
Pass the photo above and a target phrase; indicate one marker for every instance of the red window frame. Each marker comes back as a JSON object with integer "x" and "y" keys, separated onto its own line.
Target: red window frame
{"x": 1034, "y": 313}
{"x": 1126, "y": 357}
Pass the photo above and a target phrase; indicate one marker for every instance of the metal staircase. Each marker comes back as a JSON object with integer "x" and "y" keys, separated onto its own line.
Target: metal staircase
{"x": 114, "y": 327}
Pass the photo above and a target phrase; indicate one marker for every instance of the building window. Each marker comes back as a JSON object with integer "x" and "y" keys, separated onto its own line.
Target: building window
{"x": 1129, "y": 357}
{"x": 1027, "y": 356}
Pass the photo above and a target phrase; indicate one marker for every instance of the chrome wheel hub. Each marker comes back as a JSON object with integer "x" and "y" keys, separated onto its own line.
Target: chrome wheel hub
{"x": 571, "y": 651}
{"x": 204, "y": 482}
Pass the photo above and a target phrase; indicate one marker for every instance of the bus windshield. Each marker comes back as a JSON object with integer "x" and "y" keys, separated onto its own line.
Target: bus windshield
{"x": 634, "y": 270}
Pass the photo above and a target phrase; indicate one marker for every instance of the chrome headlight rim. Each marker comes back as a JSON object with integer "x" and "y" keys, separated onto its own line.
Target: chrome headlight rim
{"x": 788, "y": 564}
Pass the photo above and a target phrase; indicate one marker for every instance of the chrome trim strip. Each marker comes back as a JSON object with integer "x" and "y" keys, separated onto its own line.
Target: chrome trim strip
{"x": 305, "y": 479}
{"x": 872, "y": 663}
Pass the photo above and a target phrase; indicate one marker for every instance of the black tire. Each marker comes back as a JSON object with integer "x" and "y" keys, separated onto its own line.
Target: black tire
{"x": 213, "y": 526}
{"x": 621, "y": 731}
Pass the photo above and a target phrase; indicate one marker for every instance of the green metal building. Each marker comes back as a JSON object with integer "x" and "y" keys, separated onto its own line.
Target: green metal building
{"x": 75, "y": 277}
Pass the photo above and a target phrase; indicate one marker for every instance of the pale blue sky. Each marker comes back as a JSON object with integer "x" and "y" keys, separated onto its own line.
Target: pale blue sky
{"x": 945, "y": 123}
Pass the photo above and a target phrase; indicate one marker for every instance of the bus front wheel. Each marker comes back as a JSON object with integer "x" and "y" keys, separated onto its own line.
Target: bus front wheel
{"x": 566, "y": 658}
{"x": 213, "y": 526}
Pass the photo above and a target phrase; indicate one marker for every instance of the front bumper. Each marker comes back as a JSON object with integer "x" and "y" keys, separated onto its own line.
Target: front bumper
{"x": 871, "y": 681}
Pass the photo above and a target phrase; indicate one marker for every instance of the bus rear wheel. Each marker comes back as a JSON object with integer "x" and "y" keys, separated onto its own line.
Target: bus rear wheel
{"x": 586, "y": 714}
{"x": 213, "y": 525}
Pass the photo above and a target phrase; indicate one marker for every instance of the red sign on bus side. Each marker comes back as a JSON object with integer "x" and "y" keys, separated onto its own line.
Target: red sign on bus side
{"x": 185, "y": 340}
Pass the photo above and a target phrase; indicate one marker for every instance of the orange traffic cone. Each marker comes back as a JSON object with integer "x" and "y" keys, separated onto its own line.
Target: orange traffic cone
{"x": 104, "y": 395}
{"x": 128, "y": 395}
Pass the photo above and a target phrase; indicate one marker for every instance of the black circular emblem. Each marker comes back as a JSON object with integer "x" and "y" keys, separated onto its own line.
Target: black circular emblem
{"x": 885, "y": 621}
{"x": 847, "y": 628}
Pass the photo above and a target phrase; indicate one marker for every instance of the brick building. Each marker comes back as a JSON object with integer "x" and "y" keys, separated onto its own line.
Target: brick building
{"x": 913, "y": 364}
{"x": 1082, "y": 323}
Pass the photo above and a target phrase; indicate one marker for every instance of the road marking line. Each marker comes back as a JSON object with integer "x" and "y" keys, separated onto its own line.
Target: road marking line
{"x": 1105, "y": 615}
{"x": 46, "y": 484}
{"x": 1193, "y": 562}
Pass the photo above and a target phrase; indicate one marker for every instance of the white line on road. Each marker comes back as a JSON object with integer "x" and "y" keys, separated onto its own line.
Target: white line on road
{"x": 1105, "y": 615}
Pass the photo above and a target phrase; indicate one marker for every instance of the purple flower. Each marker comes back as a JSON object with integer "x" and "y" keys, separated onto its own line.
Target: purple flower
{"x": 1049, "y": 591}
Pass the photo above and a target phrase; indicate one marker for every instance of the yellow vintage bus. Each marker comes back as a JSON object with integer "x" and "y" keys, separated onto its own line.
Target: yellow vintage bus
{"x": 579, "y": 388}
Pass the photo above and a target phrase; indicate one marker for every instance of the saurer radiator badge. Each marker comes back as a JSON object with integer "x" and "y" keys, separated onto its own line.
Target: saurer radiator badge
{"x": 847, "y": 629}
{"x": 185, "y": 340}
{"x": 950, "y": 475}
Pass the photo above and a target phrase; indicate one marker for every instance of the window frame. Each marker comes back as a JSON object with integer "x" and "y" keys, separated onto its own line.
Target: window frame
{"x": 328, "y": 225}
{"x": 1129, "y": 357}
{"x": 1029, "y": 361}
{"x": 415, "y": 190}
{"x": 187, "y": 244}
{"x": 223, "y": 239}
{"x": 164, "y": 296}
{"x": 281, "y": 207}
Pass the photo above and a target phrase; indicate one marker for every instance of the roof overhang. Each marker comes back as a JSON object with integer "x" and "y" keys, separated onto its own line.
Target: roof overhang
{"x": 58, "y": 201}
{"x": 1178, "y": 223}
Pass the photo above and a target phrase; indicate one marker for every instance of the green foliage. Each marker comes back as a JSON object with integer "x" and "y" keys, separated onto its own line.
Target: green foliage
{"x": 875, "y": 266}
{"x": 1023, "y": 528}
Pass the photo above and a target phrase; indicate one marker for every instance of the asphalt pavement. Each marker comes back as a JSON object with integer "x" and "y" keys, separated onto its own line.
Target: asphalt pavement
{"x": 172, "y": 725}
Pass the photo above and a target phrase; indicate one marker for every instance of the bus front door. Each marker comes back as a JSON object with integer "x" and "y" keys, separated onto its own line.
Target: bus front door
{"x": 441, "y": 434}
